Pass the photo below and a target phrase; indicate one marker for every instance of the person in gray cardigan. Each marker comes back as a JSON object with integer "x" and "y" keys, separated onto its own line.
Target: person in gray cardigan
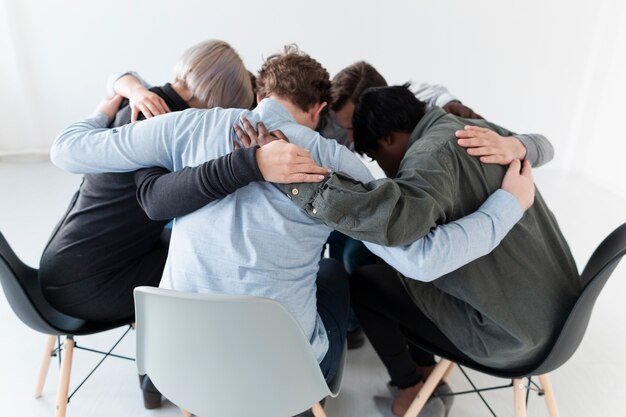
{"x": 501, "y": 310}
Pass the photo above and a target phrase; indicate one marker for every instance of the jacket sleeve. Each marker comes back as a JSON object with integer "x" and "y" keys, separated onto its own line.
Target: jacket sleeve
{"x": 539, "y": 150}
{"x": 164, "y": 195}
{"x": 387, "y": 212}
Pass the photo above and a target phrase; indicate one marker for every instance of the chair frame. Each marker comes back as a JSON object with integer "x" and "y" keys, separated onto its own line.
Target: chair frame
{"x": 521, "y": 390}
{"x": 54, "y": 347}
{"x": 27, "y": 301}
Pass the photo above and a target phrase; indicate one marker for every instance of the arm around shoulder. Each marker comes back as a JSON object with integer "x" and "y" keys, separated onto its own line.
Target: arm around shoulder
{"x": 450, "y": 246}
{"x": 165, "y": 195}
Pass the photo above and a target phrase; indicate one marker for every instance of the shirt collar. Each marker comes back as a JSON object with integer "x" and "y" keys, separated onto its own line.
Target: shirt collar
{"x": 178, "y": 101}
{"x": 429, "y": 119}
{"x": 269, "y": 109}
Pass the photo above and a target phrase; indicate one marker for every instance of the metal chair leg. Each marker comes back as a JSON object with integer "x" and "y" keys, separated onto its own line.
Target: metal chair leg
{"x": 45, "y": 365}
{"x": 429, "y": 386}
{"x": 64, "y": 377}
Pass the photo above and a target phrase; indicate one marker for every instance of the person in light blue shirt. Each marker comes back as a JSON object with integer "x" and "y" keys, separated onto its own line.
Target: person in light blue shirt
{"x": 256, "y": 241}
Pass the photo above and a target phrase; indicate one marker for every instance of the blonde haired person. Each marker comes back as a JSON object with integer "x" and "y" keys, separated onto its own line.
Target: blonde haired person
{"x": 209, "y": 74}
{"x": 106, "y": 245}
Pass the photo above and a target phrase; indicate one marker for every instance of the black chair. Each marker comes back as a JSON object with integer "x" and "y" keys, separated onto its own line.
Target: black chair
{"x": 595, "y": 275}
{"x": 21, "y": 288}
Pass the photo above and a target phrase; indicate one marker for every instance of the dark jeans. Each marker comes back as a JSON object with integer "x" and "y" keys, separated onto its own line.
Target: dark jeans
{"x": 352, "y": 254}
{"x": 333, "y": 305}
{"x": 390, "y": 320}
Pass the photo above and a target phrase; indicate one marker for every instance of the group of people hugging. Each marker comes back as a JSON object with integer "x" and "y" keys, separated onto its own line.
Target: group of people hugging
{"x": 257, "y": 173}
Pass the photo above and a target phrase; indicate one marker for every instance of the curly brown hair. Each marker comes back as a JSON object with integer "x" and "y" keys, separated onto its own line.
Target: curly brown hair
{"x": 295, "y": 76}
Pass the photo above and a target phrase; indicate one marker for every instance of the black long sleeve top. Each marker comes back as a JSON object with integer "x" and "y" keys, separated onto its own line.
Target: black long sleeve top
{"x": 105, "y": 227}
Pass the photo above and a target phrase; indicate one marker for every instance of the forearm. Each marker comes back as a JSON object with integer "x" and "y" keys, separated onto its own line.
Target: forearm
{"x": 88, "y": 147}
{"x": 539, "y": 150}
{"x": 387, "y": 212}
{"x": 122, "y": 83}
{"x": 164, "y": 195}
{"x": 61, "y": 154}
{"x": 450, "y": 246}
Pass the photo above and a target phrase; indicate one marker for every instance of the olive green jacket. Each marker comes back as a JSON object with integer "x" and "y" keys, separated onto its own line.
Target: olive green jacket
{"x": 503, "y": 309}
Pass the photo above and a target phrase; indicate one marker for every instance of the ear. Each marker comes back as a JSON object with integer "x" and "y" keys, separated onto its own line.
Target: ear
{"x": 385, "y": 141}
{"x": 316, "y": 111}
{"x": 258, "y": 97}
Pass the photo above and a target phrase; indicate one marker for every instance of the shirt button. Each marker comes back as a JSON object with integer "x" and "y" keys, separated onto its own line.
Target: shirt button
{"x": 314, "y": 211}
{"x": 294, "y": 191}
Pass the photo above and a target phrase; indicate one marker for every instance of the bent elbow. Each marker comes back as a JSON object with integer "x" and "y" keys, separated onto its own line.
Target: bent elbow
{"x": 420, "y": 273}
{"x": 152, "y": 210}
{"x": 155, "y": 215}
{"x": 421, "y": 270}
{"x": 58, "y": 158}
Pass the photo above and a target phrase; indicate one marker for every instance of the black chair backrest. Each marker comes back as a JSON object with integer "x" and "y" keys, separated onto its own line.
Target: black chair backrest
{"x": 21, "y": 288}
{"x": 595, "y": 275}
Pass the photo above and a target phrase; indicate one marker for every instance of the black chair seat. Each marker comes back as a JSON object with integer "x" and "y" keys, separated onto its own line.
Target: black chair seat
{"x": 21, "y": 288}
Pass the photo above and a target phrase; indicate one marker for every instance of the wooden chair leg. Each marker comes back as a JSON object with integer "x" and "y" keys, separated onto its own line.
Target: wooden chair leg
{"x": 519, "y": 397}
{"x": 45, "y": 365}
{"x": 448, "y": 372}
{"x": 429, "y": 386}
{"x": 64, "y": 377}
{"x": 318, "y": 410}
{"x": 186, "y": 413}
{"x": 546, "y": 386}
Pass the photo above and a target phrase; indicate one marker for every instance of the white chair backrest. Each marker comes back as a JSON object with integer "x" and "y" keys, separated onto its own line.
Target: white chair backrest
{"x": 220, "y": 355}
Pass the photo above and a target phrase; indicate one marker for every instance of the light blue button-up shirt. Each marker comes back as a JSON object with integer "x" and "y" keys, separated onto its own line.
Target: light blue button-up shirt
{"x": 255, "y": 241}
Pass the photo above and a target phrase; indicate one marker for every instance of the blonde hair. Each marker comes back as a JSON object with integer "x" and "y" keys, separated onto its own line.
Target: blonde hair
{"x": 215, "y": 75}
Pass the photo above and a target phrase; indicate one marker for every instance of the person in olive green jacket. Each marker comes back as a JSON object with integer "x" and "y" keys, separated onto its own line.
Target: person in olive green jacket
{"x": 501, "y": 310}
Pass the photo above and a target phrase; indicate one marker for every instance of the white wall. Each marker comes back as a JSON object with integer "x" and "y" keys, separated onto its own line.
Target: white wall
{"x": 539, "y": 66}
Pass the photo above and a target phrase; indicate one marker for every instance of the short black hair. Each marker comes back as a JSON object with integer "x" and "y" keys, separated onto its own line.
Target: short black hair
{"x": 382, "y": 110}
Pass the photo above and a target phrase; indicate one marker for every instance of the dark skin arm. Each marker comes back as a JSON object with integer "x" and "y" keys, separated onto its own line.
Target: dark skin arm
{"x": 459, "y": 109}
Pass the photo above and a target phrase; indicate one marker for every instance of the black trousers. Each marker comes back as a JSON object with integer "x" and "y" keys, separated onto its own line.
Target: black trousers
{"x": 391, "y": 320}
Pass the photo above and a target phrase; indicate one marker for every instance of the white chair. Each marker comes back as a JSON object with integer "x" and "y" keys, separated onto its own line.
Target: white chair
{"x": 227, "y": 356}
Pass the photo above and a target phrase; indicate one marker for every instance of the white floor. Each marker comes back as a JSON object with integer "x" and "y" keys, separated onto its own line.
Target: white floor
{"x": 33, "y": 195}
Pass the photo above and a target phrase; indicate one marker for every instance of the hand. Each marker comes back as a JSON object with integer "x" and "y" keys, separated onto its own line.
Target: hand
{"x": 521, "y": 185}
{"x": 458, "y": 109}
{"x": 145, "y": 101}
{"x": 251, "y": 137}
{"x": 285, "y": 163}
{"x": 490, "y": 146}
{"x": 110, "y": 105}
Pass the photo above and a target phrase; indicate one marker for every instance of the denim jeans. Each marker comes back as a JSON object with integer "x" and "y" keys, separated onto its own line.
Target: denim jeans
{"x": 352, "y": 254}
{"x": 333, "y": 306}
